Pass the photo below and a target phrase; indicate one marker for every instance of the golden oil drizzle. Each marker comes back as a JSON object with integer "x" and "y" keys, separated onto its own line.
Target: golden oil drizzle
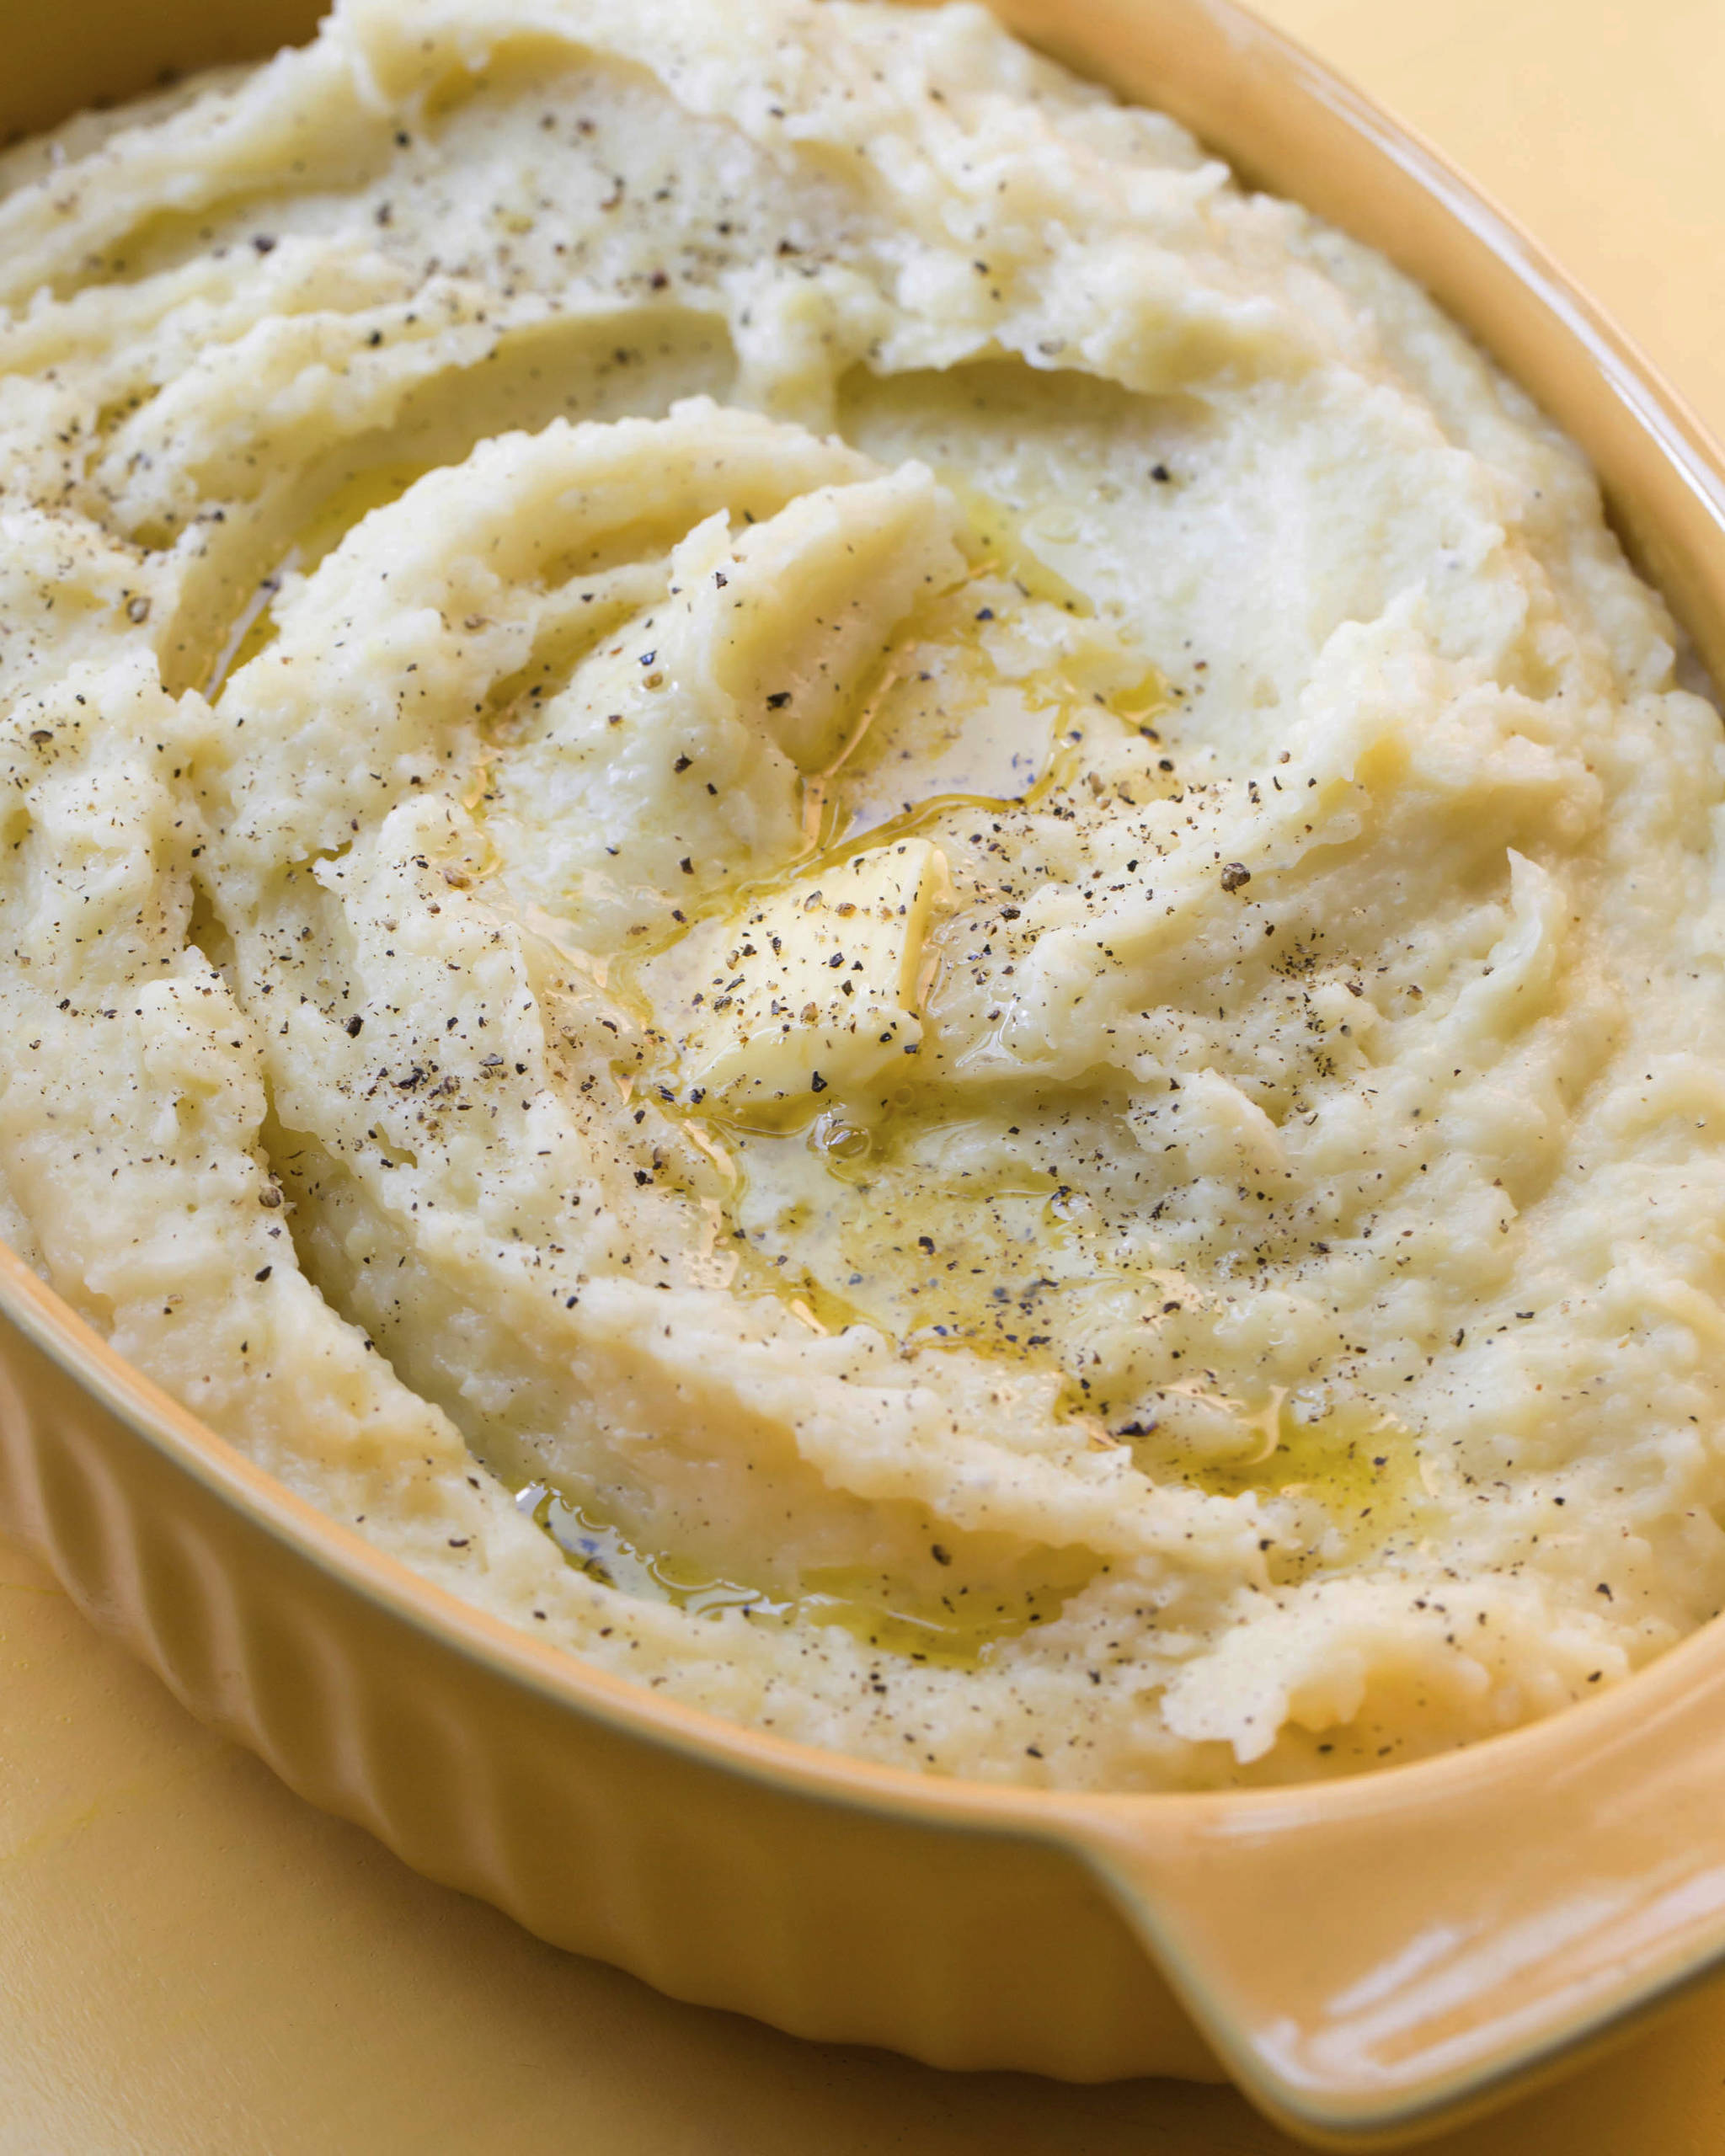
{"x": 1017, "y": 1226}
{"x": 994, "y": 538}
{"x": 956, "y": 1628}
{"x": 932, "y": 1261}
{"x": 1353, "y": 1466}
{"x": 1353, "y": 1460}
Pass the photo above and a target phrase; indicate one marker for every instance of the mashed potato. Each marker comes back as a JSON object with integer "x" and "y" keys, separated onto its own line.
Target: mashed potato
{"x": 846, "y": 889}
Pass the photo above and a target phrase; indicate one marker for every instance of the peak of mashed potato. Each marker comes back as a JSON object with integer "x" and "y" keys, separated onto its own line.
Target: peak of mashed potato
{"x": 852, "y": 891}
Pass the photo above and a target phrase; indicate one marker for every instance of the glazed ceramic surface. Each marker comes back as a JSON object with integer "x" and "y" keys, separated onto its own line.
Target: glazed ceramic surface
{"x": 1364, "y": 1958}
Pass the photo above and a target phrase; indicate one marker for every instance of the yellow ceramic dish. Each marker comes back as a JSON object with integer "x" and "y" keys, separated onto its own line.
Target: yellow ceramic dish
{"x": 1367, "y": 1958}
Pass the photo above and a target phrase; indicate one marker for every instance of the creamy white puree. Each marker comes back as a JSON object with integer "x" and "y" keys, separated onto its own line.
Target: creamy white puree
{"x": 854, "y": 893}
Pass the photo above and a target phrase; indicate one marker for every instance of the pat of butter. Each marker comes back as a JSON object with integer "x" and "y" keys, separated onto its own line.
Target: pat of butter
{"x": 813, "y": 988}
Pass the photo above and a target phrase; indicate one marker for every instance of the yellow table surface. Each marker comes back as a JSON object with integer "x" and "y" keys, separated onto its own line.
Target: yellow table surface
{"x": 191, "y": 1960}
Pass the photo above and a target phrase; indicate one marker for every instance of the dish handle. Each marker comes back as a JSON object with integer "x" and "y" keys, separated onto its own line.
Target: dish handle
{"x": 1374, "y": 1959}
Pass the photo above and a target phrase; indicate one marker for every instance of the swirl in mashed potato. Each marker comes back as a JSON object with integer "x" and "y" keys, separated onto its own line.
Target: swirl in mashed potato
{"x": 853, "y": 893}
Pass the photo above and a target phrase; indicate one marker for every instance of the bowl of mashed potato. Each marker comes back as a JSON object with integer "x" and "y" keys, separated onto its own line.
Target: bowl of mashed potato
{"x": 864, "y": 976}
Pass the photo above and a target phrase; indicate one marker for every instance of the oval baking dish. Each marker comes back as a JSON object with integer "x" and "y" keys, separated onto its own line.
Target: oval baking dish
{"x": 1369, "y": 1958}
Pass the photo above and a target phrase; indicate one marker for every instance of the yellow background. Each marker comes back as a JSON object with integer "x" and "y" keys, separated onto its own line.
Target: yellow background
{"x": 191, "y": 1960}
